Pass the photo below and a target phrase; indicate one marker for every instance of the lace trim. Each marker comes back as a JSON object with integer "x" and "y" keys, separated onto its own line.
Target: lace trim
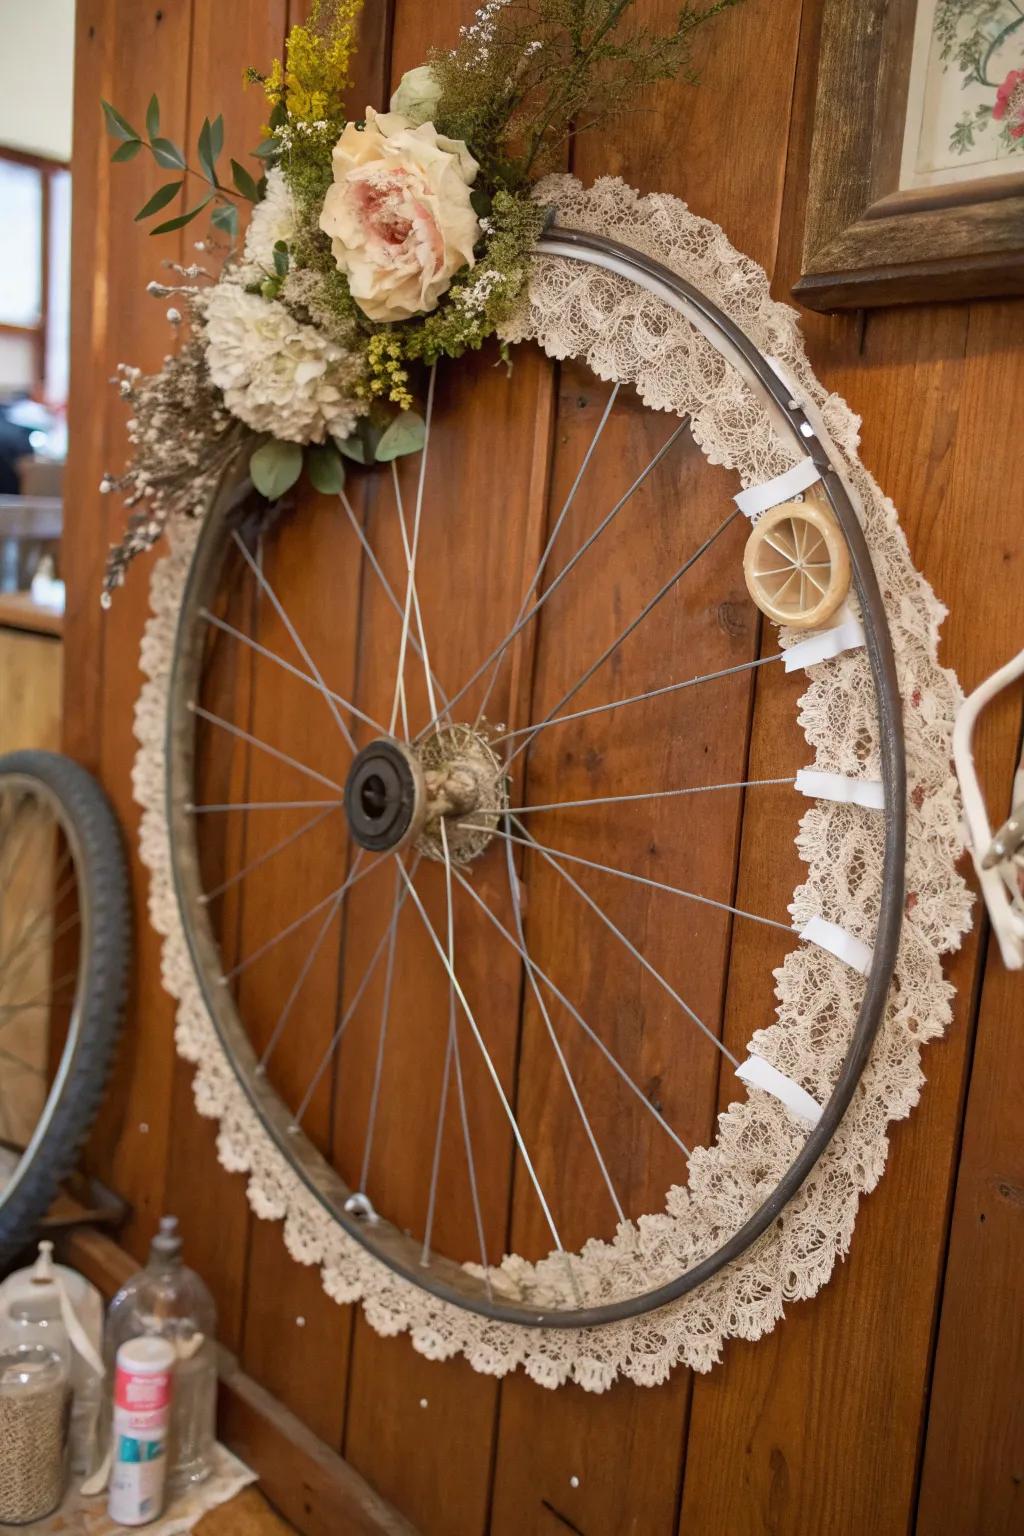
{"x": 624, "y": 334}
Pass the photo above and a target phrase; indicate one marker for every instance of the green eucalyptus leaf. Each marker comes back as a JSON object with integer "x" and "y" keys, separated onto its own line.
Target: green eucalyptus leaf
{"x": 161, "y": 197}
{"x": 325, "y": 468}
{"x": 353, "y": 448}
{"x": 128, "y": 150}
{"x": 244, "y": 183}
{"x": 217, "y": 135}
{"x": 205, "y": 150}
{"x": 225, "y": 217}
{"x": 182, "y": 218}
{"x": 269, "y": 149}
{"x": 167, "y": 154}
{"x": 275, "y": 467}
{"x": 153, "y": 117}
{"x": 117, "y": 125}
{"x": 281, "y": 261}
{"x": 406, "y": 434}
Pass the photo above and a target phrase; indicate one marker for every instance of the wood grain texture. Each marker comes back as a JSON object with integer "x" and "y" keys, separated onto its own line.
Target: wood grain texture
{"x": 838, "y": 1422}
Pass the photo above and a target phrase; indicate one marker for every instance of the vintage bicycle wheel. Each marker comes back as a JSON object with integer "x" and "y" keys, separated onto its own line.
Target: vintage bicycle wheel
{"x": 64, "y": 945}
{"x": 443, "y": 838}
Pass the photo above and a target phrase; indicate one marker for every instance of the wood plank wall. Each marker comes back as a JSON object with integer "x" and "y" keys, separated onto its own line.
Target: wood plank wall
{"x": 892, "y": 1402}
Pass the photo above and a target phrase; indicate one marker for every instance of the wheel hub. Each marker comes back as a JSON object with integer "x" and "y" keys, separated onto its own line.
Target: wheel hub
{"x": 397, "y": 794}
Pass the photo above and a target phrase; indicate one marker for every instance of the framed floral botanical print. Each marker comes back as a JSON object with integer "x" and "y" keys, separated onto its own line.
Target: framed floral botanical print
{"x": 917, "y": 160}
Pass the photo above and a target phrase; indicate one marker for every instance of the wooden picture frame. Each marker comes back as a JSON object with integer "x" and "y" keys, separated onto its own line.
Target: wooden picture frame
{"x": 867, "y": 239}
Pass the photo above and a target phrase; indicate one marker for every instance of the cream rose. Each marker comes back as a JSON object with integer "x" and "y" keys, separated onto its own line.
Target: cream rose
{"x": 399, "y": 214}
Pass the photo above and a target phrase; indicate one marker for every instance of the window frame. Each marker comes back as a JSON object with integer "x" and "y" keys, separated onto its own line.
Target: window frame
{"x": 48, "y": 167}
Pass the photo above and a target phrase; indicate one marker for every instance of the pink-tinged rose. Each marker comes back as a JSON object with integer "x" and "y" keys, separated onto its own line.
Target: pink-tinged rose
{"x": 1010, "y": 104}
{"x": 399, "y": 214}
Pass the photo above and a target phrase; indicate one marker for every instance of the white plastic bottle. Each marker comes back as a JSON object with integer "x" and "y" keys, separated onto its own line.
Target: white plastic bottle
{"x": 170, "y": 1301}
{"x": 143, "y": 1378}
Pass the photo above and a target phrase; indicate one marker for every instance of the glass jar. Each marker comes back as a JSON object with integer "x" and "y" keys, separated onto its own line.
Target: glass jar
{"x": 34, "y": 1414}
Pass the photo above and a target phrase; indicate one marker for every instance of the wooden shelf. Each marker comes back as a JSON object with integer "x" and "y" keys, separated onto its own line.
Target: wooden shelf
{"x": 18, "y": 610}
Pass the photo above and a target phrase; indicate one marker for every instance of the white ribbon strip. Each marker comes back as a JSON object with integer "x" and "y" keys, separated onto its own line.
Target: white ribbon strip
{"x": 817, "y": 785}
{"x": 838, "y": 942}
{"x": 758, "y": 498}
{"x": 825, "y": 643}
{"x": 758, "y": 1073}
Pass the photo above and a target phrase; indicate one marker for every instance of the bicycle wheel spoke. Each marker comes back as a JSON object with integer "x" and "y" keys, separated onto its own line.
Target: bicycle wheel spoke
{"x": 517, "y": 907}
{"x": 382, "y": 1032}
{"x": 207, "y": 896}
{"x": 339, "y": 1033}
{"x": 453, "y": 1057}
{"x": 262, "y": 805}
{"x": 410, "y": 586}
{"x": 428, "y": 673}
{"x": 389, "y": 591}
{"x": 640, "y": 698}
{"x": 44, "y": 941}
{"x": 307, "y": 966}
{"x": 573, "y": 1012}
{"x": 647, "y": 609}
{"x": 263, "y": 746}
{"x": 442, "y": 1108}
{"x": 655, "y": 885}
{"x": 288, "y": 666}
{"x": 564, "y": 572}
{"x": 46, "y": 994}
{"x": 30, "y": 924}
{"x": 489, "y": 1064}
{"x": 342, "y": 890}
{"x": 652, "y": 794}
{"x": 257, "y": 569}
{"x": 644, "y": 962}
{"x": 556, "y": 530}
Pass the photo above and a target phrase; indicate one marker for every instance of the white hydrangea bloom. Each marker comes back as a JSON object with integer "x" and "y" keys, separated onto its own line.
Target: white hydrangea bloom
{"x": 272, "y": 219}
{"x": 277, "y": 376}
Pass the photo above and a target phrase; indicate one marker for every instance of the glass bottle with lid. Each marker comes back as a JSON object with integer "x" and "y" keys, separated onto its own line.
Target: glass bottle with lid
{"x": 170, "y": 1300}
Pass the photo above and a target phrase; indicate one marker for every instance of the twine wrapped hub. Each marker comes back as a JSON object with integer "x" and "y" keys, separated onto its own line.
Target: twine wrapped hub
{"x": 396, "y": 794}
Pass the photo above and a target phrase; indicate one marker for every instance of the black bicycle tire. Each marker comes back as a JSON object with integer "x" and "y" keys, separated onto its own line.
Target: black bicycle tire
{"x": 88, "y": 819}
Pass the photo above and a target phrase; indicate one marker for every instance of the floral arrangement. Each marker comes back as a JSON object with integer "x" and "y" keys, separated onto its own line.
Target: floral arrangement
{"x": 973, "y": 35}
{"x": 376, "y": 245}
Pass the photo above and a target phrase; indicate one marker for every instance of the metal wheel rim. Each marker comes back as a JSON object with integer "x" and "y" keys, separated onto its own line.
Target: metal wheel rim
{"x": 43, "y": 793}
{"x": 443, "y": 1278}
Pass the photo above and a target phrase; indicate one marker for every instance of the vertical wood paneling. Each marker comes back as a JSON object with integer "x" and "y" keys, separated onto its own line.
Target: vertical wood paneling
{"x": 122, "y": 54}
{"x": 853, "y": 1368}
{"x": 297, "y": 1340}
{"x": 211, "y": 1203}
{"x": 672, "y": 144}
{"x": 482, "y": 418}
{"x": 973, "y": 1473}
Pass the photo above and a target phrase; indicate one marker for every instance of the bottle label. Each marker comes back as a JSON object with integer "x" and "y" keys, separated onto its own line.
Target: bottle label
{"x": 136, "y": 1480}
{"x": 142, "y": 1400}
